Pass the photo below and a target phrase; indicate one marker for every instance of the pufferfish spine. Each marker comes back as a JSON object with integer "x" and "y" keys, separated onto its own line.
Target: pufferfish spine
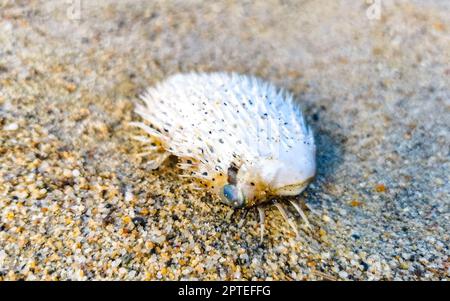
{"x": 242, "y": 137}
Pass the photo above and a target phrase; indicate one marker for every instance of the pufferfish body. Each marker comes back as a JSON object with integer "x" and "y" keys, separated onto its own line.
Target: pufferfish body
{"x": 240, "y": 137}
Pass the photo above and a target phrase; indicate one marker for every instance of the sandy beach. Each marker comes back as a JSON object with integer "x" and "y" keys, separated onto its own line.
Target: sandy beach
{"x": 77, "y": 202}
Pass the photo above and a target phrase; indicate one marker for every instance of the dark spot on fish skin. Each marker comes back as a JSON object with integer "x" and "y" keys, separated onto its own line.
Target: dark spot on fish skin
{"x": 232, "y": 175}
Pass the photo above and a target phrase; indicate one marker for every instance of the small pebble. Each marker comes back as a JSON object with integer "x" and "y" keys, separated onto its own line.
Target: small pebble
{"x": 139, "y": 221}
{"x": 343, "y": 274}
{"x": 11, "y": 127}
{"x": 75, "y": 173}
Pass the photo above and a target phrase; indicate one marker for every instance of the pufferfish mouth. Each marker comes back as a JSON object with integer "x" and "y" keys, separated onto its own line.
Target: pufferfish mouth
{"x": 292, "y": 189}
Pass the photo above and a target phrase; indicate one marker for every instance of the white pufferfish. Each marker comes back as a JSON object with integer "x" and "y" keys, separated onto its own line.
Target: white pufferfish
{"x": 240, "y": 137}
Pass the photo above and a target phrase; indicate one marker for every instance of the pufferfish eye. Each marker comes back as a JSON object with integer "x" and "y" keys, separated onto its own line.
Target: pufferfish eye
{"x": 232, "y": 196}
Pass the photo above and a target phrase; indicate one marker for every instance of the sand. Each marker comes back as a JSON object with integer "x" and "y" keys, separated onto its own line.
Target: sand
{"x": 77, "y": 201}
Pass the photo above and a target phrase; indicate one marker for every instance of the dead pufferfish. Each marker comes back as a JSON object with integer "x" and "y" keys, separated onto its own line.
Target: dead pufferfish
{"x": 242, "y": 138}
